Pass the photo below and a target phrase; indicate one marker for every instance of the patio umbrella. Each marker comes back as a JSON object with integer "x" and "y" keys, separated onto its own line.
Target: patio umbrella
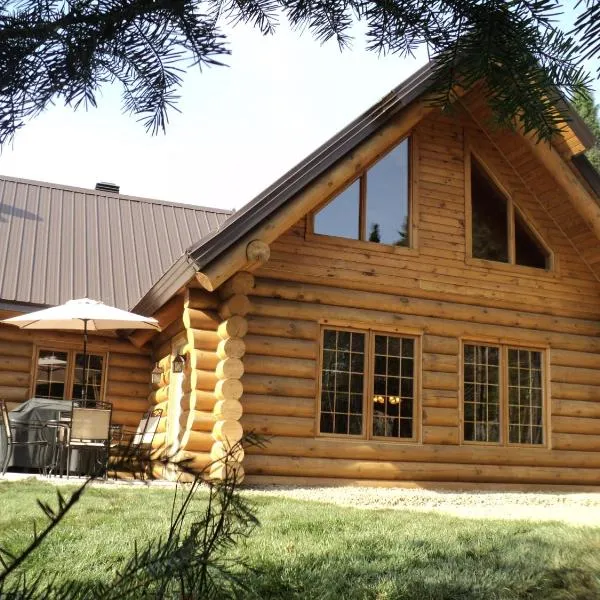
{"x": 83, "y": 315}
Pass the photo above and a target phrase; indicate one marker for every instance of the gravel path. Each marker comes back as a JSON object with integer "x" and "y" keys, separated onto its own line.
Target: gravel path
{"x": 569, "y": 507}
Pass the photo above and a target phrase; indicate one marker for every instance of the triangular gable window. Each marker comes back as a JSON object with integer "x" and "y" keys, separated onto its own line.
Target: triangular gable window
{"x": 375, "y": 207}
{"x": 498, "y": 231}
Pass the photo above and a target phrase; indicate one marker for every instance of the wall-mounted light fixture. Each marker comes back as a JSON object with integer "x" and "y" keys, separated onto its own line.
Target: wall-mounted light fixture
{"x": 156, "y": 374}
{"x": 178, "y": 363}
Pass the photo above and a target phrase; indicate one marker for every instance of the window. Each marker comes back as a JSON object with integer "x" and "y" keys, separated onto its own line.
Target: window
{"x": 367, "y": 378}
{"x": 375, "y": 207}
{"x": 59, "y": 375}
{"x": 502, "y": 394}
{"x": 498, "y": 231}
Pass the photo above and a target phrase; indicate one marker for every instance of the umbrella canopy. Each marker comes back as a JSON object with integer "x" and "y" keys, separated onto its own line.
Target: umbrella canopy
{"x": 82, "y": 314}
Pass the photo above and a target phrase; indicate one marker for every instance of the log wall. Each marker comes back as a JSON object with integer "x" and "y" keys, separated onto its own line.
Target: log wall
{"x": 127, "y": 380}
{"x": 435, "y": 291}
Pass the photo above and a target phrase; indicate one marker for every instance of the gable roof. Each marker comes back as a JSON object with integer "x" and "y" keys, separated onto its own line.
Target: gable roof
{"x": 59, "y": 242}
{"x": 261, "y": 208}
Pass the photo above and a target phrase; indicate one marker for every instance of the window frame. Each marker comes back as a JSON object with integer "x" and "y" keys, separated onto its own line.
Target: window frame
{"x": 70, "y": 369}
{"x": 512, "y": 210}
{"x": 362, "y": 242}
{"x": 504, "y": 346}
{"x": 367, "y": 417}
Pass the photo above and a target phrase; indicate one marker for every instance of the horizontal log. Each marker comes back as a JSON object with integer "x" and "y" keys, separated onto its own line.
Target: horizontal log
{"x": 272, "y": 365}
{"x": 15, "y": 349}
{"x": 201, "y": 339}
{"x": 123, "y": 388}
{"x": 575, "y": 375}
{"x": 284, "y": 426}
{"x": 139, "y": 362}
{"x": 129, "y": 375}
{"x": 135, "y": 405}
{"x": 231, "y": 348}
{"x": 14, "y": 394}
{"x": 206, "y": 360}
{"x": 574, "y": 408}
{"x": 123, "y": 417}
{"x": 229, "y": 389}
{"x": 232, "y": 471}
{"x": 159, "y": 395}
{"x": 278, "y": 346}
{"x": 228, "y": 410}
{"x": 199, "y": 379}
{"x": 230, "y": 368}
{"x": 194, "y": 318}
{"x": 228, "y": 431}
{"x": 371, "y": 300}
{"x": 443, "y": 363}
{"x": 235, "y": 326}
{"x": 236, "y": 305}
{"x": 440, "y": 435}
{"x": 260, "y": 404}
{"x": 445, "y": 417}
{"x": 279, "y": 386}
{"x": 197, "y": 441}
{"x": 221, "y": 450}
{"x": 196, "y": 462}
{"x": 288, "y": 328}
{"x": 441, "y": 398}
{"x": 165, "y": 315}
{"x": 571, "y": 391}
{"x": 436, "y": 344}
{"x": 353, "y": 317}
{"x": 198, "y": 420}
{"x": 240, "y": 283}
{"x": 375, "y": 450}
{"x": 579, "y": 425}
{"x": 568, "y": 358}
{"x": 198, "y": 400}
{"x": 14, "y": 379}
{"x": 440, "y": 381}
{"x": 574, "y": 441}
{"x": 15, "y": 364}
{"x": 200, "y": 299}
{"x": 415, "y": 471}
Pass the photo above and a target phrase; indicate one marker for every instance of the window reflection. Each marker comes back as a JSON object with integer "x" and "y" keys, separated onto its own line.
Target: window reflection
{"x": 341, "y": 216}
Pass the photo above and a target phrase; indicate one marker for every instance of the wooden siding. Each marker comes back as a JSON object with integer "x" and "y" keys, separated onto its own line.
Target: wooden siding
{"x": 127, "y": 372}
{"x": 436, "y": 291}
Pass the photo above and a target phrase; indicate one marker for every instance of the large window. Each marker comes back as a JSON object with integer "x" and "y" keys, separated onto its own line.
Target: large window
{"x": 503, "y": 394}
{"x": 367, "y": 385}
{"x": 498, "y": 231}
{"x": 376, "y": 206}
{"x": 59, "y": 375}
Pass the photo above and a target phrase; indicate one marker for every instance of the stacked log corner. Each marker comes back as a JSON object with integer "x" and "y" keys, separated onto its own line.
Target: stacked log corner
{"x": 211, "y": 408}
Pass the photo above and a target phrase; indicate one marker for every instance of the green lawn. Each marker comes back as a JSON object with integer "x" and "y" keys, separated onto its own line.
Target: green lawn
{"x": 311, "y": 550}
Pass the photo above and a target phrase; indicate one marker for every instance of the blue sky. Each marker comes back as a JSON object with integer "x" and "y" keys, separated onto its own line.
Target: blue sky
{"x": 240, "y": 128}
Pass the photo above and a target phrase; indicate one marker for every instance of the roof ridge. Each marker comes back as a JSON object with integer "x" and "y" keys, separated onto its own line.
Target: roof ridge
{"x": 127, "y": 197}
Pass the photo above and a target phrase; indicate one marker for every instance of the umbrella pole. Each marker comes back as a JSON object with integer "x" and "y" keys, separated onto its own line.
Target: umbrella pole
{"x": 84, "y": 388}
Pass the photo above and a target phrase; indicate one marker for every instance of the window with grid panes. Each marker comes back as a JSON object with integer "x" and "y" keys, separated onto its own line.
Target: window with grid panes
{"x": 502, "y": 404}
{"x": 367, "y": 376}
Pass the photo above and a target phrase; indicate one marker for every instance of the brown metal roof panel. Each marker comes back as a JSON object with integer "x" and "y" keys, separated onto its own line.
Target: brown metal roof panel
{"x": 27, "y": 244}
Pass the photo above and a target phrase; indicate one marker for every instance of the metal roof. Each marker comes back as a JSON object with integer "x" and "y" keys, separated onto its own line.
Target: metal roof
{"x": 60, "y": 242}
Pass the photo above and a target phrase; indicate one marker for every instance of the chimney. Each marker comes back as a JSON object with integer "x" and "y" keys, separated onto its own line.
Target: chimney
{"x": 105, "y": 186}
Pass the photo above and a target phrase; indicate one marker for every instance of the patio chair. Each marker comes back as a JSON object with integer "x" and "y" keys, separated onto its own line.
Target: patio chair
{"x": 18, "y": 434}
{"x": 88, "y": 430}
{"x": 137, "y": 446}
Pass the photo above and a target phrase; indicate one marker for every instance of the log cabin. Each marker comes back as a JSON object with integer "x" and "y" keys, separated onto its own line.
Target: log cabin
{"x": 417, "y": 301}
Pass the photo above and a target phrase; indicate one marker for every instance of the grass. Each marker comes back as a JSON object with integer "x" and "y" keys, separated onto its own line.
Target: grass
{"x": 312, "y": 550}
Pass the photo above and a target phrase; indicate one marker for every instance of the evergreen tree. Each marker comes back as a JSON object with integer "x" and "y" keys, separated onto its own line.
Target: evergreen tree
{"x": 588, "y": 111}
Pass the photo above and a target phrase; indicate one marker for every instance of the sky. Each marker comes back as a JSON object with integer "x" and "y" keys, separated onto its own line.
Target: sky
{"x": 240, "y": 128}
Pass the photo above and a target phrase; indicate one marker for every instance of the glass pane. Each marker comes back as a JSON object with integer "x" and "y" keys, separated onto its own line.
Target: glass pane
{"x": 481, "y": 394}
{"x": 525, "y": 397}
{"x": 528, "y": 250}
{"x": 93, "y": 375}
{"x": 489, "y": 217}
{"x": 340, "y": 216}
{"x": 342, "y": 380}
{"x": 51, "y": 374}
{"x": 388, "y": 198}
{"x": 393, "y": 395}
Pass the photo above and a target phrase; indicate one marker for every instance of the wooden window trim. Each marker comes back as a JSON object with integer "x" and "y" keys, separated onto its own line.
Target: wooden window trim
{"x": 512, "y": 208}
{"x": 70, "y": 370}
{"x": 504, "y": 345}
{"x": 363, "y": 243}
{"x": 368, "y": 383}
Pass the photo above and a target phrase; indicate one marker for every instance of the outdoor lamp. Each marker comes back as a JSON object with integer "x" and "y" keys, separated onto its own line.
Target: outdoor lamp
{"x": 178, "y": 363}
{"x": 156, "y": 374}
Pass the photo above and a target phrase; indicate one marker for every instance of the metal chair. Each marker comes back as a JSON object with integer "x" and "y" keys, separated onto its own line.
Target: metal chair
{"x": 136, "y": 447}
{"x": 88, "y": 429}
{"x": 14, "y": 431}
